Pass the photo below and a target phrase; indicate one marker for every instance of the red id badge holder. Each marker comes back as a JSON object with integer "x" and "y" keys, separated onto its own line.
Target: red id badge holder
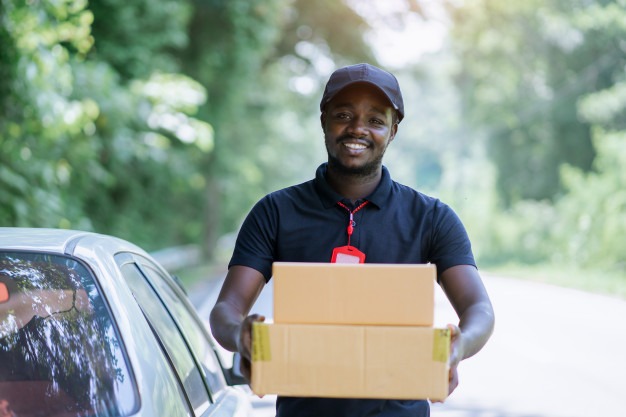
{"x": 347, "y": 255}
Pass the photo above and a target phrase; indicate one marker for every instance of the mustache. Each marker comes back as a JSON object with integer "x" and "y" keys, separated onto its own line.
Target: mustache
{"x": 347, "y": 137}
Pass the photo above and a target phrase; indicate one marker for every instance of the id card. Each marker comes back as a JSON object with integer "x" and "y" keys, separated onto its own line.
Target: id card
{"x": 347, "y": 255}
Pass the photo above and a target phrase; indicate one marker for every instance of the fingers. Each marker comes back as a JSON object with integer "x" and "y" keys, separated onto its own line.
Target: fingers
{"x": 453, "y": 361}
{"x": 455, "y": 331}
{"x": 245, "y": 344}
{"x": 245, "y": 335}
{"x": 455, "y": 356}
{"x": 455, "y": 344}
{"x": 453, "y": 380}
{"x": 245, "y": 368}
{"x": 256, "y": 317}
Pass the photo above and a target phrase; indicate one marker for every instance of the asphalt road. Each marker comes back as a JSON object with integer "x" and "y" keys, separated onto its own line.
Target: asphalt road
{"x": 555, "y": 353}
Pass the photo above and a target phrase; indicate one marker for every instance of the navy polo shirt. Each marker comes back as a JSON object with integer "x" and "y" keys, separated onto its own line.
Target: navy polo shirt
{"x": 303, "y": 223}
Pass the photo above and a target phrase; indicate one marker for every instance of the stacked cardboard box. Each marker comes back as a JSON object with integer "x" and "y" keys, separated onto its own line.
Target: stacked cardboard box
{"x": 352, "y": 331}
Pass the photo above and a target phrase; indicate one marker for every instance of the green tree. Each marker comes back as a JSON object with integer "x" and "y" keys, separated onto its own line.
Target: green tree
{"x": 84, "y": 146}
{"x": 523, "y": 67}
{"x": 249, "y": 54}
{"x": 545, "y": 81}
{"x": 40, "y": 121}
{"x": 139, "y": 37}
{"x": 592, "y": 226}
{"x": 109, "y": 127}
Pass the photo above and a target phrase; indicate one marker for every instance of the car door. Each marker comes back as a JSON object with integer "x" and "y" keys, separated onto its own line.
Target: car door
{"x": 183, "y": 338}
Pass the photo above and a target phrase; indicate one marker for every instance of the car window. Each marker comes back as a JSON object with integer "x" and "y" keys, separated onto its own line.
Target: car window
{"x": 190, "y": 326}
{"x": 60, "y": 352}
{"x": 170, "y": 337}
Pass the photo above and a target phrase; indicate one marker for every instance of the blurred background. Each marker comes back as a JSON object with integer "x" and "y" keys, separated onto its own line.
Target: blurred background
{"x": 163, "y": 121}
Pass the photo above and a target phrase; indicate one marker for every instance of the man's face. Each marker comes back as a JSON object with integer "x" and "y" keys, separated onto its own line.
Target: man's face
{"x": 358, "y": 125}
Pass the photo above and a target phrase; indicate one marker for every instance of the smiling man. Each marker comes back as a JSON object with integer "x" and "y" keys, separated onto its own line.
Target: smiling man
{"x": 358, "y": 125}
{"x": 352, "y": 211}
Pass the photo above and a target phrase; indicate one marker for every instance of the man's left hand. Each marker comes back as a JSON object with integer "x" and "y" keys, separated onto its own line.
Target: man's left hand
{"x": 456, "y": 354}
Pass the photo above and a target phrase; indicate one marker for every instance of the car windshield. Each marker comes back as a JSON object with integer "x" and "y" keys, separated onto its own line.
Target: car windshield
{"x": 59, "y": 352}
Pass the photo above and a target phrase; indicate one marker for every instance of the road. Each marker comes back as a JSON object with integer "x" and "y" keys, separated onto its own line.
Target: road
{"x": 555, "y": 352}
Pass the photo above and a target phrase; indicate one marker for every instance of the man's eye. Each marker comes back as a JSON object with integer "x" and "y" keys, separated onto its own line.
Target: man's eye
{"x": 342, "y": 116}
{"x": 377, "y": 121}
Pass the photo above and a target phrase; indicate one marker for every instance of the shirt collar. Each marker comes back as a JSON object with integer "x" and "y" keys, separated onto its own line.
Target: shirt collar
{"x": 330, "y": 198}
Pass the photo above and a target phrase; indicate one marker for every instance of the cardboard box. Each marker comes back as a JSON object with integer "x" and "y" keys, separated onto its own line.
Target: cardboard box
{"x": 326, "y": 293}
{"x": 389, "y": 362}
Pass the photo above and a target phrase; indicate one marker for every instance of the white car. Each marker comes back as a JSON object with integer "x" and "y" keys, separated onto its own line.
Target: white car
{"x": 91, "y": 325}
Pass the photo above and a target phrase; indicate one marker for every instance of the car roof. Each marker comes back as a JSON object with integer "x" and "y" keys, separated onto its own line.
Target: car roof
{"x": 58, "y": 240}
{"x": 49, "y": 240}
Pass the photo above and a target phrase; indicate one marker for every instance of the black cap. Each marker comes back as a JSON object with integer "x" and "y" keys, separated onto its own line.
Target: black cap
{"x": 385, "y": 81}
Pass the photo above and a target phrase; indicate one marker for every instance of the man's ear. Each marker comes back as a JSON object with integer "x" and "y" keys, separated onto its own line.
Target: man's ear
{"x": 394, "y": 130}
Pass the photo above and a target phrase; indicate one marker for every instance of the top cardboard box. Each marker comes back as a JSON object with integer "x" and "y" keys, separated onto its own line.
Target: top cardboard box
{"x": 360, "y": 294}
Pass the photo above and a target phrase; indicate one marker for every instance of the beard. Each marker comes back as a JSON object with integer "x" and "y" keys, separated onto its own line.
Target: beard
{"x": 366, "y": 170}
{"x": 363, "y": 171}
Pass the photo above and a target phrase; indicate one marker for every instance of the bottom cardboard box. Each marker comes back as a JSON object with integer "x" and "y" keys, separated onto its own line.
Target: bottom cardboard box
{"x": 343, "y": 361}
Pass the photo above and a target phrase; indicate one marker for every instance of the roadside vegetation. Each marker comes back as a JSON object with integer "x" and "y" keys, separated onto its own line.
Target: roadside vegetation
{"x": 166, "y": 126}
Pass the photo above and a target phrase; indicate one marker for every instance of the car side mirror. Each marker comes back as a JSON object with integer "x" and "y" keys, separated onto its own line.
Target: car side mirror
{"x": 233, "y": 375}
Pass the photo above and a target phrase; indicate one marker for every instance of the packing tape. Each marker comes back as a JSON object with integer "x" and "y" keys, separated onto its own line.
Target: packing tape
{"x": 261, "y": 351}
{"x": 441, "y": 345}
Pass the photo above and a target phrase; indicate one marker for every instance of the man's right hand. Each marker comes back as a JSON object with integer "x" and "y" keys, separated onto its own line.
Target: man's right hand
{"x": 230, "y": 323}
{"x": 244, "y": 344}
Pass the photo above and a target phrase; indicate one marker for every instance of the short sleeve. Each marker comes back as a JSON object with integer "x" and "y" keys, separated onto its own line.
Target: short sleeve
{"x": 450, "y": 244}
{"x": 256, "y": 241}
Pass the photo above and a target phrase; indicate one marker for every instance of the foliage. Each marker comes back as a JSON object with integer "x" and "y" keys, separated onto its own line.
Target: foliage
{"x": 166, "y": 126}
{"x": 329, "y": 26}
{"x": 593, "y": 226}
{"x": 41, "y": 119}
{"x": 545, "y": 82}
{"x": 585, "y": 228}
{"x": 228, "y": 42}
{"x": 82, "y": 149}
{"x": 524, "y": 66}
{"x": 266, "y": 126}
{"x": 143, "y": 37}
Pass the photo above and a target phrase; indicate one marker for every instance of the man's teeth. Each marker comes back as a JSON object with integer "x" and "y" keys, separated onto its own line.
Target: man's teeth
{"x": 355, "y": 145}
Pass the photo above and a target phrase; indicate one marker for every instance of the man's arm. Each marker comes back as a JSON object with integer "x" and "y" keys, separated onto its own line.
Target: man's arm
{"x": 230, "y": 323}
{"x": 467, "y": 294}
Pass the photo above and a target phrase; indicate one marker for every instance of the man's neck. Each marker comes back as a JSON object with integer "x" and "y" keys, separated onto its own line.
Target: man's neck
{"x": 353, "y": 187}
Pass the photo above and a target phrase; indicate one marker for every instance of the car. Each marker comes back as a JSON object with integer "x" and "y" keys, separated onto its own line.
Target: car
{"x": 92, "y": 325}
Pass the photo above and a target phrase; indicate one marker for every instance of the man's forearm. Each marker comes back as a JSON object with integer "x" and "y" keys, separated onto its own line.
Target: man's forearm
{"x": 225, "y": 325}
{"x": 476, "y": 326}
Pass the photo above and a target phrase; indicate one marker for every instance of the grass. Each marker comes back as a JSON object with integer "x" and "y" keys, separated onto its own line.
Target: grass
{"x": 597, "y": 281}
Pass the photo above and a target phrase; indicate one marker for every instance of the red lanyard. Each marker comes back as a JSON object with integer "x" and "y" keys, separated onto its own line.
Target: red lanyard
{"x": 351, "y": 222}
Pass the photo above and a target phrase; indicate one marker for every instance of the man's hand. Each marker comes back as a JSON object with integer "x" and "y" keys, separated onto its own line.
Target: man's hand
{"x": 230, "y": 323}
{"x": 468, "y": 296}
{"x": 456, "y": 354}
{"x": 244, "y": 344}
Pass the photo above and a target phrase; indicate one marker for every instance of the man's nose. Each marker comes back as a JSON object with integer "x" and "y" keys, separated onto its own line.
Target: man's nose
{"x": 357, "y": 127}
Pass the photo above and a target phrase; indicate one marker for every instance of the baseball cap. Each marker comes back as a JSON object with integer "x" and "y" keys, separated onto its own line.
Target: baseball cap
{"x": 385, "y": 81}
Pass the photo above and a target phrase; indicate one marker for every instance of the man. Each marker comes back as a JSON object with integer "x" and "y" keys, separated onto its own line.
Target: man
{"x": 389, "y": 223}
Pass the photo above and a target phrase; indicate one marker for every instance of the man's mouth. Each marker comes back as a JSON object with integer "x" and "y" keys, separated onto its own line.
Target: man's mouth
{"x": 354, "y": 146}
